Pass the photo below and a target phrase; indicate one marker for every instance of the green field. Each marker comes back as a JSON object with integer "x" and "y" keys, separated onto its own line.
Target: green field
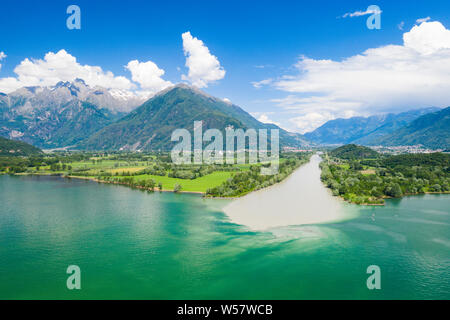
{"x": 196, "y": 185}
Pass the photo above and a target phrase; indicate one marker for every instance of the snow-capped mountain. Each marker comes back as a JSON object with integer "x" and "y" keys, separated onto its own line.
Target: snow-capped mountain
{"x": 63, "y": 114}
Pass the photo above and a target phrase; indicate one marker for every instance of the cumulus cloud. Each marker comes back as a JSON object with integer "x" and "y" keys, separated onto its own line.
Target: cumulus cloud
{"x": 391, "y": 78}
{"x": 2, "y": 56}
{"x": 148, "y": 75}
{"x": 203, "y": 67}
{"x": 428, "y": 38}
{"x": 62, "y": 66}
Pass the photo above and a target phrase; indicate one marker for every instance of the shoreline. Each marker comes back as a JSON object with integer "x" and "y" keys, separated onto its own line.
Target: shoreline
{"x": 301, "y": 199}
{"x": 390, "y": 198}
{"x": 127, "y": 185}
{"x": 340, "y": 198}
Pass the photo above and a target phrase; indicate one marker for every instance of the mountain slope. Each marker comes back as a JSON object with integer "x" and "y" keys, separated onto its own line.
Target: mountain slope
{"x": 150, "y": 126}
{"x": 431, "y": 130}
{"x": 363, "y": 130}
{"x": 58, "y": 116}
{"x": 17, "y": 148}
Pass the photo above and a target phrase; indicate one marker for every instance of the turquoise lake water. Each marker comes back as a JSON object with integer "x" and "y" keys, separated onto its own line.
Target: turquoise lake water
{"x": 131, "y": 244}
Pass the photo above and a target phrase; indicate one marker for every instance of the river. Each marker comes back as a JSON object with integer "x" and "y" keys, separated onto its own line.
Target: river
{"x": 300, "y": 199}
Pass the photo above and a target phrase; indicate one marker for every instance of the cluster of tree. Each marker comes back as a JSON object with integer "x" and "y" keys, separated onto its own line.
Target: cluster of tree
{"x": 24, "y": 164}
{"x": 353, "y": 151}
{"x": 392, "y": 176}
{"x": 59, "y": 167}
{"x": 17, "y": 148}
{"x": 244, "y": 182}
{"x": 148, "y": 184}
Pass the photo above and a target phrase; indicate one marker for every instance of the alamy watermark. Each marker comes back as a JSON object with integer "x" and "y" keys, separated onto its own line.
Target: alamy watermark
{"x": 74, "y": 280}
{"x": 74, "y": 20}
{"x": 238, "y": 144}
{"x": 374, "y": 280}
{"x": 374, "y": 20}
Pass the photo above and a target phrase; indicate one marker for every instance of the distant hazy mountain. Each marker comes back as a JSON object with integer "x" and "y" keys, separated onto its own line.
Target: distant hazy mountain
{"x": 363, "y": 130}
{"x": 432, "y": 130}
{"x": 61, "y": 115}
{"x": 149, "y": 127}
{"x": 16, "y": 148}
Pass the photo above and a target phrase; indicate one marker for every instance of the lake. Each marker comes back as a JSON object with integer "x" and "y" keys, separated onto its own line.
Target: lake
{"x": 131, "y": 244}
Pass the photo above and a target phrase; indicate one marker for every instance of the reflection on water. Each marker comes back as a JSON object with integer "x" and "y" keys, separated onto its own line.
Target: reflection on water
{"x": 300, "y": 199}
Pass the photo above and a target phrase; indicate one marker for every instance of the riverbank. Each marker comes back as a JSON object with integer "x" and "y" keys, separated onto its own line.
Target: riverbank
{"x": 300, "y": 199}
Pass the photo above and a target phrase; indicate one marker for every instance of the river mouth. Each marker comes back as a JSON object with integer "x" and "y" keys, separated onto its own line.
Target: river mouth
{"x": 299, "y": 200}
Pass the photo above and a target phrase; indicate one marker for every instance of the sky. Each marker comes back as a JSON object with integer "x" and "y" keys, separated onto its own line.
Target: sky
{"x": 294, "y": 63}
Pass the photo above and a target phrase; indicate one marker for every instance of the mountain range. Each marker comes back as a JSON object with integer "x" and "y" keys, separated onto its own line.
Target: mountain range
{"x": 72, "y": 114}
{"x": 75, "y": 115}
{"x": 149, "y": 127}
{"x": 431, "y": 130}
{"x": 60, "y": 115}
{"x": 373, "y": 130}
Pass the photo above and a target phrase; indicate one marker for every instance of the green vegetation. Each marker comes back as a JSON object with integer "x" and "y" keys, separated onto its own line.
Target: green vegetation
{"x": 353, "y": 151}
{"x": 152, "y": 171}
{"x": 430, "y": 130}
{"x": 150, "y": 126}
{"x": 369, "y": 181}
{"x": 17, "y": 148}
{"x": 252, "y": 179}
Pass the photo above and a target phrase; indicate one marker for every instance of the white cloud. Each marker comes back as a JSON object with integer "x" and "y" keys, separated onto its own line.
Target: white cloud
{"x": 389, "y": 78}
{"x": 2, "y": 56}
{"x": 419, "y": 21}
{"x": 401, "y": 25}
{"x": 264, "y": 117}
{"x": 259, "y": 84}
{"x": 62, "y": 66}
{"x": 310, "y": 121}
{"x": 226, "y": 100}
{"x": 360, "y": 13}
{"x": 428, "y": 38}
{"x": 203, "y": 66}
{"x": 148, "y": 75}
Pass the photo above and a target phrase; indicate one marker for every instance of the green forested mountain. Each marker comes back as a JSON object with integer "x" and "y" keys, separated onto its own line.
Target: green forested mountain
{"x": 353, "y": 151}
{"x": 16, "y": 148}
{"x": 363, "y": 130}
{"x": 150, "y": 126}
{"x": 431, "y": 130}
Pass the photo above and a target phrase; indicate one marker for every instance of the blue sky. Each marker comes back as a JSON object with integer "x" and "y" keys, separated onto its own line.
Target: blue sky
{"x": 251, "y": 40}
